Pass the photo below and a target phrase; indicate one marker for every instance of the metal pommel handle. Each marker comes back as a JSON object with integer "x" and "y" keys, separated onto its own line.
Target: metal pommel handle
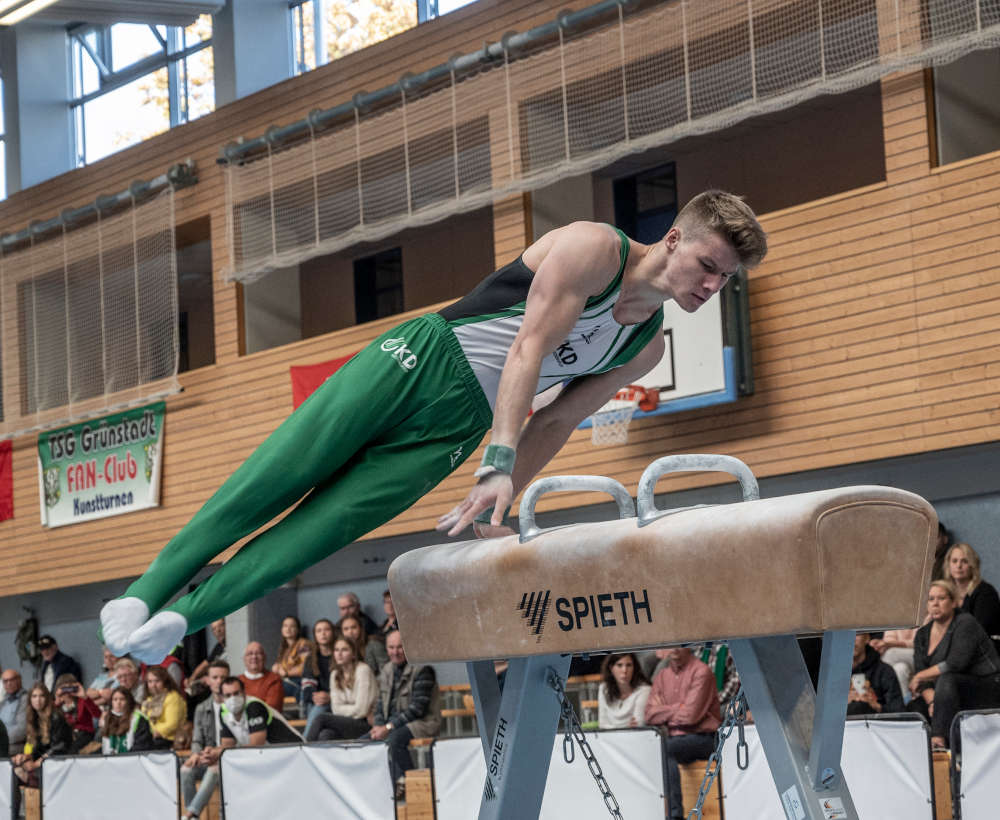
{"x": 561, "y": 483}
{"x": 694, "y": 462}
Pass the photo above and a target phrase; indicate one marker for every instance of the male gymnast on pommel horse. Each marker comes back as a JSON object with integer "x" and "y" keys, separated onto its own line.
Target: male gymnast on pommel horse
{"x": 410, "y": 407}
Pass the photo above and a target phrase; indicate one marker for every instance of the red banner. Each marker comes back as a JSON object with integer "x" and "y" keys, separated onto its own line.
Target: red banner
{"x": 307, "y": 377}
{"x": 6, "y": 480}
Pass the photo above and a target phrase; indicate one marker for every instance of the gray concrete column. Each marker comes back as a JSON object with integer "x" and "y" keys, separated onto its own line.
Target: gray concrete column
{"x": 34, "y": 60}
{"x": 253, "y": 47}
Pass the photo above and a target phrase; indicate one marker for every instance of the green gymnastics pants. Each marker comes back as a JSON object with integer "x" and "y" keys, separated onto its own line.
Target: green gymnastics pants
{"x": 376, "y": 436}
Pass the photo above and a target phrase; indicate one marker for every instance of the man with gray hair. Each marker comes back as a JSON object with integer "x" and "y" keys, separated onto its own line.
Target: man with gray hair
{"x": 13, "y": 710}
{"x": 350, "y": 605}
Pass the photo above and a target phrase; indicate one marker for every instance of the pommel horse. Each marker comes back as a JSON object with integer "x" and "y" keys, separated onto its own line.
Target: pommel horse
{"x": 756, "y": 573}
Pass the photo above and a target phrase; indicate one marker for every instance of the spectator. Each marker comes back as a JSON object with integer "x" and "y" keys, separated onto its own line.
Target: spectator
{"x": 248, "y": 721}
{"x": 874, "y": 687}
{"x": 217, "y": 653}
{"x": 389, "y": 624}
{"x": 80, "y": 712}
{"x": 373, "y": 652}
{"x": 350, "y": 606}
{"x": 127, "y": 675}
{"x": 957, "y": 666}
{"x": 896, "y": 648}
{"x": 258, "y": 681}
{"x": 13, "y": 710}
{"x": 206, "y": 744}
{"x": 323, "y": 634}
{"x": 124, "y": 728}
{"x": 100, "y": 687}
{"x": 55, "y": 663}
{"x": 940, "y": 569}
{"x": 408, "y": 706}
{"x": 622, "y": 695}
{"x": 353, "y": 690}
{"x": 175, "y": 668}
{"x": 716, "y": 657}
{"x": 685, "y": 704}
{"x": 977, "y": 597}
{"x": 296, "y": 665}
{"x": 164, "y": 706}
{"x": 47, "y": 733}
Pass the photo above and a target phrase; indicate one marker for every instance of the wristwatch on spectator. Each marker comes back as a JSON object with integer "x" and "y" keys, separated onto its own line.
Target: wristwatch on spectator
{"x": 388, "y": 727}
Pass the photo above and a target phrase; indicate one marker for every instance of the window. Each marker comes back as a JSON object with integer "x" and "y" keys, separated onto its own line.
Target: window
{"x": 646, "y": 203}
{"x": 3, "y": 148}
{"x": 196, "y": 315}
{"x": 967, "y": 107}
{"x": 132, "y": 81}
{"x": 378, "y": 285}
{"x": 347, "y": 26}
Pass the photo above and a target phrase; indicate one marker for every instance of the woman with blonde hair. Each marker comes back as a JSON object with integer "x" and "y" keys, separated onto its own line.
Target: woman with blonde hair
{"x": 353, "y": 690}
{"x": 957, "y": 666}
{"x": 977, "y": 597}
{"x": 164, "y": 707}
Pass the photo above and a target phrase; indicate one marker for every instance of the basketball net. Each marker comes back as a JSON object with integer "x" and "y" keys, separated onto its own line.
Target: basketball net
{"x": 610, "y": 423}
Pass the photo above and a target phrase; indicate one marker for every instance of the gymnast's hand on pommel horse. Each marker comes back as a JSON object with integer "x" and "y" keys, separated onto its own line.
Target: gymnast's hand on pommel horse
{"x": 583, "y": 305}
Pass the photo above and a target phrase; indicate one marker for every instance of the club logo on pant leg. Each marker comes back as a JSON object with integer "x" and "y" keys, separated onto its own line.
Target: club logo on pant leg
{"x": 404, "y": 357}
{"x": 455, "y": 456}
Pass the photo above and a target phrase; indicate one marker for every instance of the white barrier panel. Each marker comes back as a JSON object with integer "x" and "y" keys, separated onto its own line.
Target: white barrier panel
{"x": 631, "y": 760}
{"x": 886, "y": 763}
{"x": 141, "y": 786}
{"x": 980, "y": 792}
{"x": 317, "y": 780}
{"x": 6, "y": 772}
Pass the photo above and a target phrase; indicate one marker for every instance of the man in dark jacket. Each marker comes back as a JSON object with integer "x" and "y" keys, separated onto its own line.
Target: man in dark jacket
{"x": 55, "y": 663}
{"x": 408, "y": 706}
{"x": 874, "y": 686}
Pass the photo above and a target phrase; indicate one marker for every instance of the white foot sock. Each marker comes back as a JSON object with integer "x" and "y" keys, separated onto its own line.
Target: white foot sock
{"x": 152, "y": 641}
{"x": 119, "y": 619}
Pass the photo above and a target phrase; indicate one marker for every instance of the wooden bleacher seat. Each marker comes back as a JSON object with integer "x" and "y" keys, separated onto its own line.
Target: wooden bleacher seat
{"x": 692, "y": 775}
{"x": 419, "y": 795}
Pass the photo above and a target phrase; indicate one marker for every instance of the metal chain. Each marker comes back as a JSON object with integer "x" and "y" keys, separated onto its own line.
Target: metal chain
{"x": 735, "y": 718}
{"x": 572, "y": 727}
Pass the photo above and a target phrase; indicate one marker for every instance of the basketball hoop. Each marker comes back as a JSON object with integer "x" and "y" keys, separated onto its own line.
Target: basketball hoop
{"x": 610, "y": 423}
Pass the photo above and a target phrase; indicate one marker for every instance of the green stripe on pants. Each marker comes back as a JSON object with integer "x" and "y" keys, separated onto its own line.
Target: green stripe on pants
{"x": 380, "y": 433}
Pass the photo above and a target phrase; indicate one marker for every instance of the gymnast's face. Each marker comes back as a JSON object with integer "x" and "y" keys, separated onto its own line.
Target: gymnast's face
{"x": 696, "y": 268}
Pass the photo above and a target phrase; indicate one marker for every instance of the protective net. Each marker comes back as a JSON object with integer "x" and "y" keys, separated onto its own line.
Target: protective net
{"x": 574, "y": 104}
{"x": 89, "y": 319}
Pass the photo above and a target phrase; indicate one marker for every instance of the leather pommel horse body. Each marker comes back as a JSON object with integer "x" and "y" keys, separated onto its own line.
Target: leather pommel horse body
{"x": 755, "y": 574}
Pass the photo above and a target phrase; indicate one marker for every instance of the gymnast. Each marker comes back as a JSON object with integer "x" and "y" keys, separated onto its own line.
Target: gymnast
{"x": 582, "y": 305}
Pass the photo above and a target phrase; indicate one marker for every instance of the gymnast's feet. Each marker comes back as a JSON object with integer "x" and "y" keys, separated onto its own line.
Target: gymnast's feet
{"x": 119, "y": 619}
{"x": 156, "y": 638}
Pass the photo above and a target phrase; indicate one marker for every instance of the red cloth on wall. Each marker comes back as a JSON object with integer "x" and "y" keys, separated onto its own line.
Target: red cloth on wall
{"x": 307, "y": 377}
{"x": 6, "y": 480}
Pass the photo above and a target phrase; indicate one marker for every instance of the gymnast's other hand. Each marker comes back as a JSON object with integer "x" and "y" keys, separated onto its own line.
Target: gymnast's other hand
{"x": 492, "y": 491}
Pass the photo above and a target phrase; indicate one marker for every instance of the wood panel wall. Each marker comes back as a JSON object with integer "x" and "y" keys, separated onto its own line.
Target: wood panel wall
{"x": 874, "y": 320}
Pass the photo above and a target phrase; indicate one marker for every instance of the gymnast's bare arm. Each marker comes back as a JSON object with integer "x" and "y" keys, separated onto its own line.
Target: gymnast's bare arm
{"x": 570, "y": 264}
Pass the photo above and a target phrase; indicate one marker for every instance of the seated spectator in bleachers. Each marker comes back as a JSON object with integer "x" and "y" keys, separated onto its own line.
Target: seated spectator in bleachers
{"x": 218, "y": 652}
{"x": 408, "y": 706}
{"x": 164, "y": 706}
{"x": 353, "y": 690}
{"x": 124, "y": 728}
{"x": 13, "y": 711}
{"x": 174, "y": 667}
{"x": 715, "y": 655}
{"x": 350, "y": 606}
{"x": 127, "y": 675}
{"x": 323, "y": 635}
{"x": 622, "y": 695}
{"x": 55, "y": 663}
{"x": 874, "y": 687}
{"x": 957, "y": 666}
{"x": 940, "y": 568}
{"x": 47, "y": 733}
{"x": 896, "y": 648}
{"x": 977, "y": 597}
{"x": 80, "y": 712}
{"x": 685, "y": 704}
{"x": 295, "y": 664}
{"x": 373, "y": 652}
{"x": 206, "y": 744}
{"x": 100, "y": 687}
{"x": 248, "y": 721}
{"x": 258, "y": 680}
{"x": 389, "y": 624}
